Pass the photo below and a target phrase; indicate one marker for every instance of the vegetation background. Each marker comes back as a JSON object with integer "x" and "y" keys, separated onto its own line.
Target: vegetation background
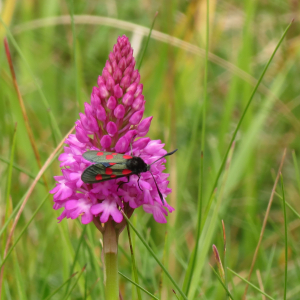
{"x": 242, "y": 37}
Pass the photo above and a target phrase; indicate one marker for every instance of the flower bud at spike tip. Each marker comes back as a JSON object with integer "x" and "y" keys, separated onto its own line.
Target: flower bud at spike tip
{"x": 144, "y": 126}
{"x": 132, "y": 88}
{"x": 112, "y": 122}
{"x": 136, "y": 117}
{"x": 130, "y": 135}
{"x": 110, "y": 83}
{"x": 122, "y": 64}
{"x": 95, "y": 100}
{"x": 105, "y": 141}
{"x": 122, "y": 145}
{"x": 125, "y": 82}
{"x": 108, "y": 67}
{"x": 128, "y": 98}
{"x": 118, "y": 92}
{"x": 88, "y": 109}
{"x": 100, "y": 80}
{"x": 138, "y": 102}
{"x": 119, "y": 111}
{"x": 111, "y": 128}
{"x": 103, "y": 91}
{"x": 141, "y": 143}
{"x": 138, "y": 91}
{"x": 101, "y": 114}
{"x": 111, "y": 103}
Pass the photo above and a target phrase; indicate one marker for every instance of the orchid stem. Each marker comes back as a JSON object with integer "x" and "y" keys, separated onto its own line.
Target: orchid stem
{"x": 110, "y": 251}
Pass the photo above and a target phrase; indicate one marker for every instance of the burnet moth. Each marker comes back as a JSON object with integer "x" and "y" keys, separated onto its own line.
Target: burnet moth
{"x": 112, "y": 165}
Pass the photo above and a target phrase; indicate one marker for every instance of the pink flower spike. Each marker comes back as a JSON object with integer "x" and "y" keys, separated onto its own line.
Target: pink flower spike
{"x": 112, "y": 122}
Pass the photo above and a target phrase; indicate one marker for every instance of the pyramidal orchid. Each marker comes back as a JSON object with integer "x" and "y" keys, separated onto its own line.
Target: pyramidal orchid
{"x": 112, "y": 121}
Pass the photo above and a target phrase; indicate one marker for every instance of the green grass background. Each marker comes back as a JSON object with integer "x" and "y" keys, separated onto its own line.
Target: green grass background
{"x": 242, "y": 37}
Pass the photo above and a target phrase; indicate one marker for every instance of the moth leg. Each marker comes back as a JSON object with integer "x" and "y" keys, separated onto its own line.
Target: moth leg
{"x": 139, "y": 182}
{"x": 122, "y": 182}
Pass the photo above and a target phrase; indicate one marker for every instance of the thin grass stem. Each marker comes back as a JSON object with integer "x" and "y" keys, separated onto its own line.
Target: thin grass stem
{"x": 201, "y": 177}
{"x": 252, "y": 285}
{"x": 222, "y": 283}
{"x": 136, "y": 278}
{"x": 76, "y": 256}
{"x": 285, "y": 239}
{"x": 147, "y": 42}
{"x": 138, "y": 286}
{"x": 155, "y": 257}
{"x": 61, "y": 286}
{"x": 240, "y": 122}
{"x": 75, "y": 283}
{"x": 42, "y": 95}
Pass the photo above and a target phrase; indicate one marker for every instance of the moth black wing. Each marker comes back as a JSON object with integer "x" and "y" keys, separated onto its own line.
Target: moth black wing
{"x": 98, "y": 172}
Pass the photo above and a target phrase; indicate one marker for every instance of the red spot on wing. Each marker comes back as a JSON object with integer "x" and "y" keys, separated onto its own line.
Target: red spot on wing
{"x": 126, "y": 172}
{"x": 99, "y": 153}
{"x": 108, "y": 171}
{"x": 109, "y": 156}
{"x": 127, "y": 156}
{"x": 113, "y": 176}
{"x": 98, "y": 177}
{"x": 114, "y": 154}
{"x": 112, "y": 164}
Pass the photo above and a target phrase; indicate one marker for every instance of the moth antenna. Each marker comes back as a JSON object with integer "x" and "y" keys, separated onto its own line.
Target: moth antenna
{"x": 159, "y": 193}
{"x": 170, "y": 153}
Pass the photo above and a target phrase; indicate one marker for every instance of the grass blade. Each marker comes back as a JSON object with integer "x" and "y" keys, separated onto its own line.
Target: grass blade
{"x": 60, "y": 287}
{"x": 77, "y": 83}
{"x": 138, "y": 286}
{"x": 24, "y": 113}
{"x": 76, "y": 256}
{"x": 285, "y": 239}
{"x": 241, "y": 120}
{"x": 201, "y": 177}
{"x": 23, "y": 230}
{"x": 155, "y": 257}
{"x": 222, "y": 283}
{"x": 252, "y": 285}
{"x": 42, "y": 95}
{"x": 147, "y": 42}
{"x": 136, "y": 278}
{"x": 20, "y": 169}
{"x": 9, "y": 175}
{"x": 75, "y": 283}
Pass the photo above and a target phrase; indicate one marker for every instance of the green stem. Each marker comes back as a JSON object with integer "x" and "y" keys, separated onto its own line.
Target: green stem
{"x": 110, "y": 254}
